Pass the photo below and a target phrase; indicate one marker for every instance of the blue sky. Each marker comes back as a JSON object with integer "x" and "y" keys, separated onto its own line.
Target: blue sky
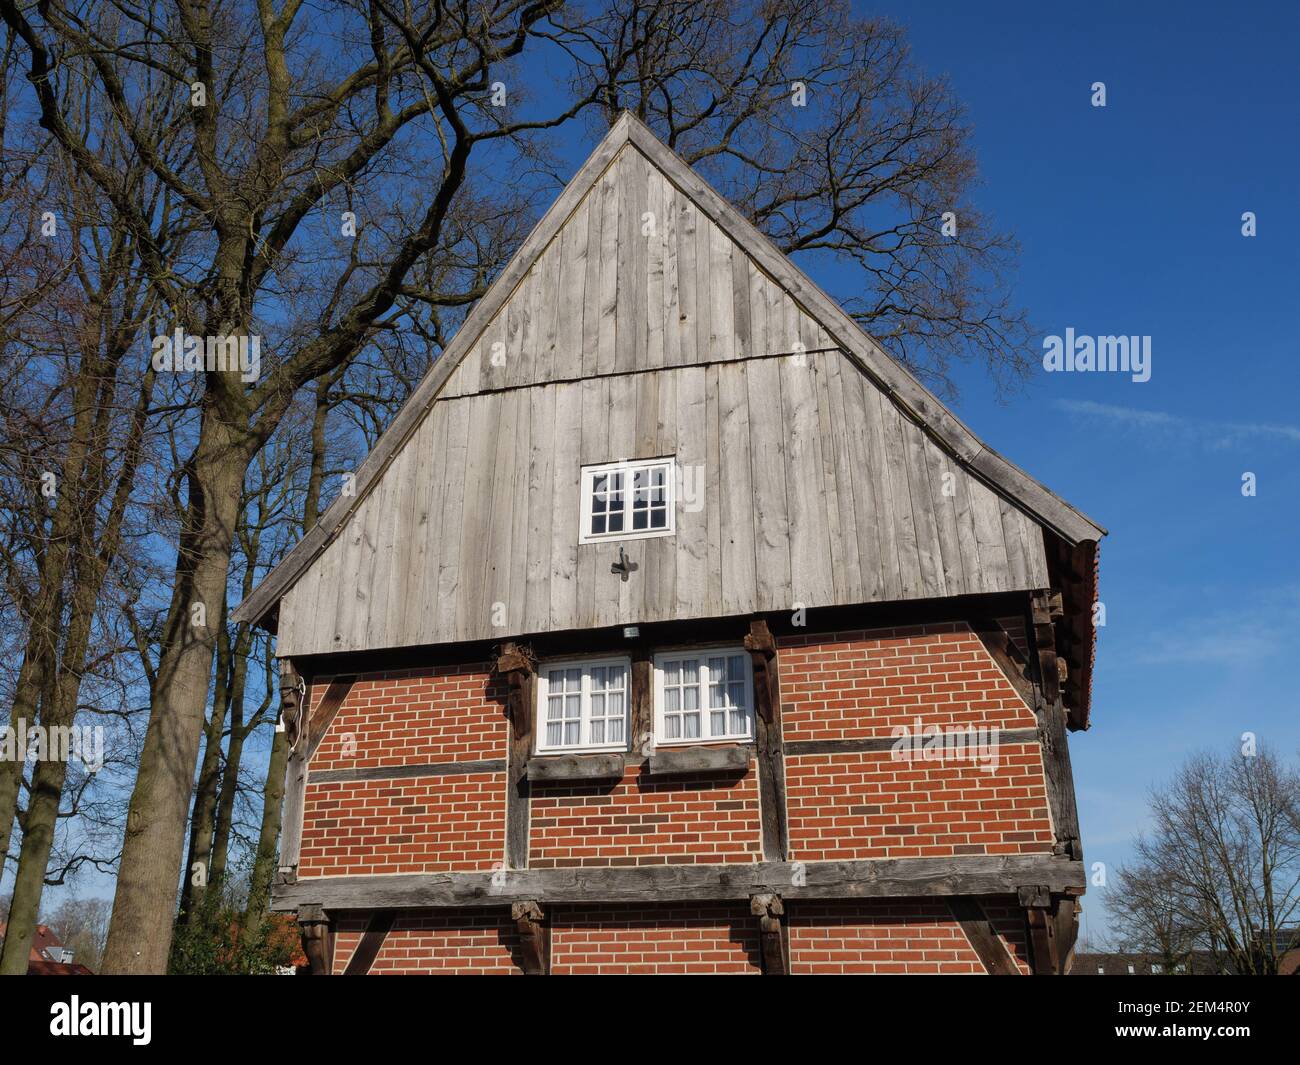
{"x": 1129, "y": 218}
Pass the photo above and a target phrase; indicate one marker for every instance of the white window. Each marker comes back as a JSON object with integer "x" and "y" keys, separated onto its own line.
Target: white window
{"x": 628, "y": 500}
{"x": 703, "y": 696}
{"x": 583, "y": 706}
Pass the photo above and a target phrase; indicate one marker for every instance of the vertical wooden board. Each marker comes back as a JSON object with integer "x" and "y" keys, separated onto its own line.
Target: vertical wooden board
{"x": 661, "y": 556}
{"x": 547, "y": 310}
{"x": 473, "y": 619}
{"x": 943, "y": 474}
{"x": 672, "y": 303}
{"x": 369, "y": 516}
{"x": 767, "y": 441}
{"x": 1017, "y": 565}
{"x": 988, "y": 537}
{"x": 524, "y": 365}
{"x": 713, "y": 460}
{"x": 779, "y": 340}
{"x": 741, "y": 333}
{"x": 656, "y": 304}
{"x": 923, "y": 510}
{"x": 447, "y": 593}
{"x": 722, "y": 335}
{"x": 1031, "y": 534}
{"x": 615, "y": 598}
{"x": 909, "y": 556}
{"x": 426, "y": 525}
{"x": 348, "y": 545}
{"x": 565, "y": 515}
{"x": 692, "y": 518}
{"x": 735, "y": 500}
{"x": 571, "y": 304}
{"x": 706, "y": 348}
{"x": 842, "y": 471}
{"x": 504, "y": 491}
{"x": 591, "y": 290}
{"x": 891, "y": 568}
{"x": 538, "y": 507}
{"x": 595, "y": 445}
{"x": 634, "y": 251}
{"x": 844, "y": 581}
{"x": 758, "y": 341}
{"x": 866, "y": 508}
{"x": 810, "y": 549}
{"x": 305, "y": 621}
{"x": 391, "y": 631}
{"x": 688, "y": 221}
{"x": 964, "y": 512}
{"x": 606, "y": 353}
{"x": 520, "y": 486}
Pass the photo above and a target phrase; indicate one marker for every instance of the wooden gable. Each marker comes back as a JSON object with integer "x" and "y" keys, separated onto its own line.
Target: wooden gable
{"x": 644, "y": 318}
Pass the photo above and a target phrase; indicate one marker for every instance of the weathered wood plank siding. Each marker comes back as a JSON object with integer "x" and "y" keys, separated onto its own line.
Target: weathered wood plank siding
{"x": 643, "y": 330}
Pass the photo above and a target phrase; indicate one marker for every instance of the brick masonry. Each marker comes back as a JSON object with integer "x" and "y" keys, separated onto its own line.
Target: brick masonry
{"x": 845, "y": 805}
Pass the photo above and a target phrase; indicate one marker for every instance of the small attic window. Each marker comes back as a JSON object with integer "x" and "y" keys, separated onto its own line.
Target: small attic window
{"x": 628, "y": 500}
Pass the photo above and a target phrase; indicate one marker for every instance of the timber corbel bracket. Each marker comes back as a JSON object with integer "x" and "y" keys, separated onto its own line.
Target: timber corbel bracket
{"x": 773, "y": 940}
{"x": 314, "y": 928}
{"x": 534, "y": 937}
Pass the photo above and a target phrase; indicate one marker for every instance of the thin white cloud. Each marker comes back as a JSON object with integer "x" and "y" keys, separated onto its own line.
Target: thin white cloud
{"x": 1213, "y": 434}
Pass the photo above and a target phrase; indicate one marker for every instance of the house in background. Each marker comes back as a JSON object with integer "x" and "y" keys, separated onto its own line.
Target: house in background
{"x": 48, "y": 956}
{"x": 674, "y": 627}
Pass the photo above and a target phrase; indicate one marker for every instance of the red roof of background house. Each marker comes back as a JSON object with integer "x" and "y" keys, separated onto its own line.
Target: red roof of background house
{"x": 40, "y": 961}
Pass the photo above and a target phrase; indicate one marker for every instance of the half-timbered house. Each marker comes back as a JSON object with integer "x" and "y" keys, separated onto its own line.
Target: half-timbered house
{"x": 672, "y": 626}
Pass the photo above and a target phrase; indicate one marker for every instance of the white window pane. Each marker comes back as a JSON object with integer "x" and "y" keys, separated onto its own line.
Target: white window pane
{"x": 672, "y": 700}
{"x": 672, "y": 672}
{"x": 691, "y": 698}
{"x": 735, "y": 668}
{"x": 598, "y": 730}
{"x": 718, "y": 723}
{"x": 555, "y": 708}
{"x": 598, "y": 705}
{"x": 617, "y": 675}
{"x": 615, "y": 730}
{"x": 571, "y": 733}
{"x": 739, "y": 726}
{"x": 691, "y": 671}
{"x": 736, "y": 694}
{"x": 692, "y": 722}
{"x": 597, "y": 678}
{"x": 554, "y": 734}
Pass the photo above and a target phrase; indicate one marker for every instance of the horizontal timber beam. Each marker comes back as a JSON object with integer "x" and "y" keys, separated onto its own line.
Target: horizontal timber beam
{"x": 880, "y": 878}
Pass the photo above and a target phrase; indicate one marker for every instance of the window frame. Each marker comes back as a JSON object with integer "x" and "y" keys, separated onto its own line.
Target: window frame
{"x": 661, "y": 737}
{"x": 628, "y": 467}
{"x": 541, "y": 702}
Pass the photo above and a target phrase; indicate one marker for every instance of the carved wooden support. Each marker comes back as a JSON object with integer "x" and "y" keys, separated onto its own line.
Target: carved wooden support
{"x": 982, "y": 936}
{"x": 1046, "y": 958}
{"x": 534, "y": 938}
{"x": 291, "y": 690}
{"x": 774, "y": 943}
{"x": 769, "y": 743}
{"x": 315, "y": 931}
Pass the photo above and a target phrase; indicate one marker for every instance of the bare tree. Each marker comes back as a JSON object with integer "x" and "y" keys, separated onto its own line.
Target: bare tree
{"x": 1220, "y": 869}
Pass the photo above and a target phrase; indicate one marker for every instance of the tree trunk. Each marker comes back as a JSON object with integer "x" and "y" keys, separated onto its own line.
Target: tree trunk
{"x": 205, "y": 800}
{"x": 139, "y": 937}
{"x": 259, "y": 889}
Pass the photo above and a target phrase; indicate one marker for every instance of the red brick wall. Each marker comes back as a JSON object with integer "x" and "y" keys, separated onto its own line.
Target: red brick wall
{"x": 851, "y": 685}
{"x": 641, "y": 820}
{"x": 667, "y": 939}
{"x": 857, "y": 805}
{"x": 466, "y": 942}
{"x": 895, "y": 936}
{"x": 415, "y": 717}
{"x": 914, "y": 936}
{"x": 453, "y": 822}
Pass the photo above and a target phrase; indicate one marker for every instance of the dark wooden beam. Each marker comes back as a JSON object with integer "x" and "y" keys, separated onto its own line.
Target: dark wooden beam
{"x": 314, "y": 928}
{"x": 400, "y": 772}
{"x": 982, "y": 936}
{"x": 773, "y": 938}
{"x": 769, "y": 742}
{"x": 1041, "y": 929}
{"x": 517, "y": 664}
{"x": 1053, "y": 733}
{"x": 323, "y": 716}
{"x": 1006, "y": 654}
{"x": 877, "y": 744}
{"x": 877, "y": 878}
{"x": 534, "y": 937}
{"x": 372, "y": 941}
